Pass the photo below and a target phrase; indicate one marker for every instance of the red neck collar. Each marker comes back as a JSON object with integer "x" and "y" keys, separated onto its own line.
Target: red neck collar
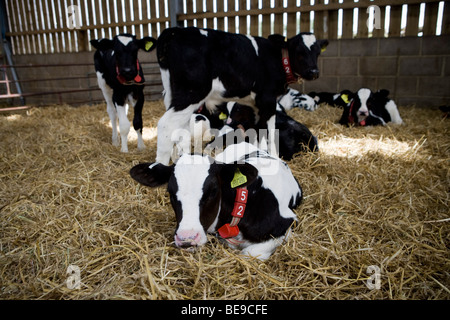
{"x": 351, "y": 119}
{"x": 290, "y": 77}
{"x": 137, "y": 80}
{"x": 230, "y": 230}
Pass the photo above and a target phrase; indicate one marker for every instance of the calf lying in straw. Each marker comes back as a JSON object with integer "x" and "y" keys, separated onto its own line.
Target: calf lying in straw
{"x": 244, "y": 195}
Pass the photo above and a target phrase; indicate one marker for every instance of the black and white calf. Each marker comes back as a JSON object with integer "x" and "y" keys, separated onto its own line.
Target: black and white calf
{"x": 244, "y": 194}
{"x": 204, "y": 66}
{"x": 121, "y": 80}
{"x": 293, "y": 137}
{"x": 294, "y": 99}
{"x": 365, "y": 108}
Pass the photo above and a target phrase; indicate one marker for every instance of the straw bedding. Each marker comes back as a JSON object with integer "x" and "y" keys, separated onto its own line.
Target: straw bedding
{"x": 373, "y": 197}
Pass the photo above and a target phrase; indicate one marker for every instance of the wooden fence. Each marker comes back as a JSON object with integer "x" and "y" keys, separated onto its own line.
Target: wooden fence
{"x": 58, "y": 26}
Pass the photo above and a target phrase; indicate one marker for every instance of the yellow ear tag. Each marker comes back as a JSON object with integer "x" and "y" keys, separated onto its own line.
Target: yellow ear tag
{"x": 344, "y": 97}
{"x": 222, "y": 116}
{"x": 238, "y": 179}
{"x": 148, "y": 45}
{"x": 323, "y": 49}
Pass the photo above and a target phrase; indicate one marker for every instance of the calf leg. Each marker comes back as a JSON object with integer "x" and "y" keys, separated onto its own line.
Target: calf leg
{"x": 108, "y": 95}
{"x": 137, "y": 120}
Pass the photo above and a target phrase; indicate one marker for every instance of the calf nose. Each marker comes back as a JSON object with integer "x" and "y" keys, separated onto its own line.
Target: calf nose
{"x": 187, "y": 238}
{"x": 127, "y": 71}
{"x": 364, "y": 113}
{"x": 314, "y": 74}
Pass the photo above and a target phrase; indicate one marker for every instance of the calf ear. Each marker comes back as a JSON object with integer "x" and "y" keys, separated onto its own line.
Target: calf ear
{"x": 323, "y": 45}
{"x": 147, "y": 44}
{"x": 239, "y": 175}
{"x": 384, "y": 92}
{"x": 102, "y": 44}
{"x": 151, "y": 174}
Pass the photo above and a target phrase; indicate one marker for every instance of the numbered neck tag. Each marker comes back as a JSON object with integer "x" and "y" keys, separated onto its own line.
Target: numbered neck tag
{"x": 231, "y": 230}
{"x": 239, "y": 202}
{"x": 238, "y": 179}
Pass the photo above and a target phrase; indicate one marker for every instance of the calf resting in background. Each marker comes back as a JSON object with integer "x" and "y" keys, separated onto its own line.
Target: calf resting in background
{"x": 244, "y": 194}
{"x": 365, "y": 108}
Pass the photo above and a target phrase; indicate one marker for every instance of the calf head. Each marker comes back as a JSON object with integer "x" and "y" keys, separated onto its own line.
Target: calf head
{"x": 124, "y": 52}
{"x": 195, "y": 185}
{"x": 304, "y": 49}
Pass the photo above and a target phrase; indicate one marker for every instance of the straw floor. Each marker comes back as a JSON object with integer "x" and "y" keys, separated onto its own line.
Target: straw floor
{"x": 373, "y": 197}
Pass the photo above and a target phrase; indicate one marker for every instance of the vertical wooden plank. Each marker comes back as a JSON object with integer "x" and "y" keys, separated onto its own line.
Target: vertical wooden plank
{"x": 162, "y": 14}
{"x": 220, "y": 21}
{"x": 305, "y": 21}
{"x": 395, "y": 21}
{"x": 20, "y": 43}
{"x": 59, "y": 24}
{"x": 41, "y": 14}
{"x": 431, "y": 11}
{"x": 291, "y": 20}
{"x": 363, "y": 30}
{"x": 242, "y": 19}
{"x": 62, "y": 23}
{"x": 446, "y": 19}
{"x": 127, "y": 16}
{"x": 379, "y": 33}
{"x": 52, "y": 35}
{"x": 278, "y": 18}
{"x": 12, "y": 24}
{"x": 231, "y": 16}
{"x": 318, "y": 21}
{"x": 347, "y": 22}
{"x": 332, "y": 23}
{"x": 189, "y": 10}
{"x": 254, "y": 18}
{"x": 54, "y": 15}
{"x": 27, "y": 39}
{"x": 266, "y": 27}
{"x": 137, "y": 18}
{"x": 412, "y": 20}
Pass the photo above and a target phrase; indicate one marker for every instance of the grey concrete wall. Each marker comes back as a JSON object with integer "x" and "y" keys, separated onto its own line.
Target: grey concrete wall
{"x": 415, "y": 70}
{"x": 86, "y": 74}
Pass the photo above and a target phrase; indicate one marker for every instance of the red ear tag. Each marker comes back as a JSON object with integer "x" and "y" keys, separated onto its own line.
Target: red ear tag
{"x": 227, "y": 231}
{"x": 138, "y": 78}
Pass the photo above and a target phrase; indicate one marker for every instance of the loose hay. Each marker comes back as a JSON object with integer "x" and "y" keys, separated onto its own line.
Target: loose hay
{"x": 373, "y": 196}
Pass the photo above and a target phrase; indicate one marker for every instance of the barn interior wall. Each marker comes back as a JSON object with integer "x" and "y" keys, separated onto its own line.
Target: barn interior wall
{"x": 80, "y": 75}
{"x": 416, "y": 70}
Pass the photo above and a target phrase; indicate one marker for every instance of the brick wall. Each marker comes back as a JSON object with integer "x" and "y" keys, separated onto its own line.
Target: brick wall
{"x": 416, "y": 70}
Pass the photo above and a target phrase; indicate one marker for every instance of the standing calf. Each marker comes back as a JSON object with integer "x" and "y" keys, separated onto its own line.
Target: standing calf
{"x": 121, "y": 80}
{"x": 204, "y": 66}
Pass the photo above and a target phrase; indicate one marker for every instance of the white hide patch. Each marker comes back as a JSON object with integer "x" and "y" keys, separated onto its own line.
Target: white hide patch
{"x": 309, "y": 40}
{"x": 254, "y": 44}
{"x": 165, "y": 77}
{"x": 363, "y": 95}
{"x": 125, "y": 40}
{"x": 391, "y": 107}
{"x": 203, "y": 32}
{"x": 191, "y": 172}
